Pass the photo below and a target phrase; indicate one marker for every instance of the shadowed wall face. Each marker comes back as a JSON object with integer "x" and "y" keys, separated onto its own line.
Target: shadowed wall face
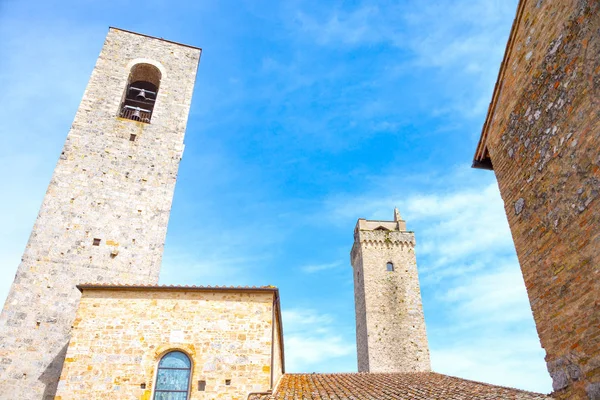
{"x": 543, "y": 141}
{"x": 104, "y": 216}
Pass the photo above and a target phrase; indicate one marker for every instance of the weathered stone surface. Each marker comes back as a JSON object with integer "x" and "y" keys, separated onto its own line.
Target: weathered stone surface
{"x": 104, "y": 187}
{"x": 390, "y": 326}
{"x": 119, "y": 335}
{"x": 543, "y": 137}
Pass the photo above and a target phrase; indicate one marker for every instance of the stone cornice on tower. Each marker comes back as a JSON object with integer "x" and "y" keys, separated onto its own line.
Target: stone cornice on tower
{"x": 383, "y": 234}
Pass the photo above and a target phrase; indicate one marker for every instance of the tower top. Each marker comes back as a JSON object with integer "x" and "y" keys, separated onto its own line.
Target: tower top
{"x": 397, "y": 216}
{"x": 153, "y": 37}
{"x": 397, "y": 225}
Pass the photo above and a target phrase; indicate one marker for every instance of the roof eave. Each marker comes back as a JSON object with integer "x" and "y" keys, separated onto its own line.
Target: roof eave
{"x": 163, "y": 288}
{"x": 481, "y": 158}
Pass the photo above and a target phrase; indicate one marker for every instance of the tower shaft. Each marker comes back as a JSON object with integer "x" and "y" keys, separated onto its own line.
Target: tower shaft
{"x": 104, "y": 216}
{"x": 390, "y": 326}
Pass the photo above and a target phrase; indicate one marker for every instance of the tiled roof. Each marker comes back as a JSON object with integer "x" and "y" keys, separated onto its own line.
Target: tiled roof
{"x": 389, "y": 386}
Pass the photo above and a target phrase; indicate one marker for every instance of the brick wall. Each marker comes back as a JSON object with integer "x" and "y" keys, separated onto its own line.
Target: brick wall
{"x": 544, "y": 143}
{"x": 119, "y": 336}
{"x": 104, "y": 187}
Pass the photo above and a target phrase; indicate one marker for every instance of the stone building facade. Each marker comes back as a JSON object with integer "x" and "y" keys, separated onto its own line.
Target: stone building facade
{"x": 542, "y": 139}
{"x": 231, "y": 335}
{"x": 390, "y": 326}
{"x": 104, "y": 217}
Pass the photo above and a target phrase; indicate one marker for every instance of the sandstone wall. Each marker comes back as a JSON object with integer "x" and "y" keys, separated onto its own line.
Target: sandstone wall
{"x": 104, "y": 187}
{"x": 120, "y": 335}
{"x": 390, "y": 322}
{"x": 544, "y": 143}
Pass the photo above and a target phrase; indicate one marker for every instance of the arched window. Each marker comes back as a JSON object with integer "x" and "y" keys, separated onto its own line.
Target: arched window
{"x": 173, "y": 377}
{"x": 140, "y": 94}
{"x": 389, "y": 266}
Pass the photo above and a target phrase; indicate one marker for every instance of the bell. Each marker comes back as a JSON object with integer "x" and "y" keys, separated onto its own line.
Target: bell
{"x": 136, "y": 115}
{"x": 141, "y": 95}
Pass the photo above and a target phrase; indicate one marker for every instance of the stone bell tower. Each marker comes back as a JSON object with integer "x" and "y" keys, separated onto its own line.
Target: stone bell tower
{"x": 104, "y": 217}
{"x": 390, "y": 326}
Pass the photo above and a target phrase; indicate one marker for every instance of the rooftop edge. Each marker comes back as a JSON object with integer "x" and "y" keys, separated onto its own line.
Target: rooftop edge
{"x": 154, "y": 37}
{"x": 481, "y": 158}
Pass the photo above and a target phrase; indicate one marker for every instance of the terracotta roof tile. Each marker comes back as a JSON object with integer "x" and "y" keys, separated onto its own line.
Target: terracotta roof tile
{"x": 389, "y": 386}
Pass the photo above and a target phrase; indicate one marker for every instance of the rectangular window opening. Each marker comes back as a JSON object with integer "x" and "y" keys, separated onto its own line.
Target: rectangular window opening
{"x": 201, "y": 386}
{"x": 132, "y": 137}
{"x": 96, "y": 242}
{"x": 228, "y": 382}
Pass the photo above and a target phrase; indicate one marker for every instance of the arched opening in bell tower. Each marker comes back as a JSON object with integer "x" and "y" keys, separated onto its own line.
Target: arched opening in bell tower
{"x": 141, "y": 93}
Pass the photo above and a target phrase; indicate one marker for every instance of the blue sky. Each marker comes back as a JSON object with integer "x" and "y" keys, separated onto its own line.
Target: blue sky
{"x": 306, "y": 116}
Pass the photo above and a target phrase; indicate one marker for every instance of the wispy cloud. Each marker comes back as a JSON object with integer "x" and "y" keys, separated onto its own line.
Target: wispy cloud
{"x": 313, "y": 341}
{"x": 312, "y": 268}
{"x": 495, "y": 296}
{"x": 458, "y": 38}
{"x": 354, "y": 27}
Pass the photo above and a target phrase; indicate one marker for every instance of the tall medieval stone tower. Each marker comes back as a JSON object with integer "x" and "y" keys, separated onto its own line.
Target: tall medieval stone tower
{"x": 104, "y": 217}
{"x": 390, "y": 326}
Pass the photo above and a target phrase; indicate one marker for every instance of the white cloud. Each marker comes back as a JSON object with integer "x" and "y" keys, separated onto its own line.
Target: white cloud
{"x": 495, "y": 296}
{"x": 312, "y": 268}
{"x": 454, "y": 223}
{"x": 355, "y": 27}
{"x": 505, "y": 359}
{"x": 463, "y": 40}
{"x": 313, "y": 341}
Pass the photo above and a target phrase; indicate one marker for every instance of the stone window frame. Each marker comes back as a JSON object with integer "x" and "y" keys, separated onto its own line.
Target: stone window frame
{"x": 157, "y": 361}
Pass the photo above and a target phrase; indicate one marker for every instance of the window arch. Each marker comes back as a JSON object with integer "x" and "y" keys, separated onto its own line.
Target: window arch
{"x": 173, "y": 377}
{"x": 389, "y": 266}
{"x": 140, "y": 93}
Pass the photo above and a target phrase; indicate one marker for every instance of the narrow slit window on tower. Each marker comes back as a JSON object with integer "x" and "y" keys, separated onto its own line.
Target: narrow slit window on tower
{"x": 141, "y": 93}
{"x": 389, "y": 266}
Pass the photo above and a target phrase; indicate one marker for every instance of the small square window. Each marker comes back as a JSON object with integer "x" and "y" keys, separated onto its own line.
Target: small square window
{"x": 96, "y": 242}
{"x": 228, "y": 382}
{"x": 132, "y": 137}
{"x": 201, "y": 386}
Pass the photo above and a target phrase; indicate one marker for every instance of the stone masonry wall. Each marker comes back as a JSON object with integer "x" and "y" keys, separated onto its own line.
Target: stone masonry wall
{"x": 104, "y": 187}
{"x": 544, "y": 143}
{"x": 390, "y": 325}
{"x": 362, "y": 345}
{"x": 120, "y": 335}
{"x": 278, "y": 367}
